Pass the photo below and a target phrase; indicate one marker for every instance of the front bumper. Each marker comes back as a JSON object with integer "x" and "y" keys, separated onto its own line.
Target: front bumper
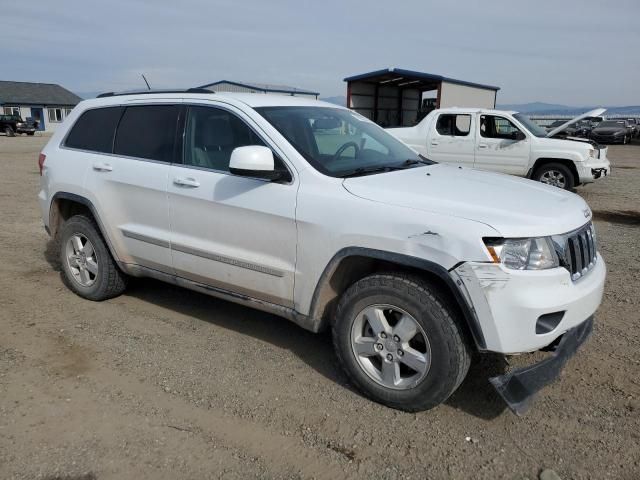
{"x": 519, "y": 386}
{"x": 511, "y": 306}
{"x": 594, "y": 168}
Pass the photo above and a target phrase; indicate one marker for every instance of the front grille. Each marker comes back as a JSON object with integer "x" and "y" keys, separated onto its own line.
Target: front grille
{"x": 577, "y": 250}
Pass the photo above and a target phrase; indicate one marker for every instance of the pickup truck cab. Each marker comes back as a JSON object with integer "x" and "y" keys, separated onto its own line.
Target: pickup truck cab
{"x": 312, "y": 212}
{"x": 506, "y": 142}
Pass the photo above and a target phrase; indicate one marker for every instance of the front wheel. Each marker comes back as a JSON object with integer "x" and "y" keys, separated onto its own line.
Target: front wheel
{"x": 9, "y": 131}
{"x": 399, "y": 342}
{"x": 556, "y": 175}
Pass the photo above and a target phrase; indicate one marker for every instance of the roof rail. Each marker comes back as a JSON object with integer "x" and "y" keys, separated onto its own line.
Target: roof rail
{"x": 145, "y": 92}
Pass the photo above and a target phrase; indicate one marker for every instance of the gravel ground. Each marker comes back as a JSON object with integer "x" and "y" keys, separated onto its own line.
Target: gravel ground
{"x": 167, "y": 383}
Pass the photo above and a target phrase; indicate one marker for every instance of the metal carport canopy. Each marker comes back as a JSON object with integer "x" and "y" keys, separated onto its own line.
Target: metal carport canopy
{"x": 401, "y": 78}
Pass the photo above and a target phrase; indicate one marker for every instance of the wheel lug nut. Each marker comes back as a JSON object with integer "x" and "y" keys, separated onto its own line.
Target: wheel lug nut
{"x": 400, "y": 353}
{"x": 383, "y": 335}
{"x": 378, "y": 346}
{"x": 396, "y": 338}
{"x": 389, "y": 357}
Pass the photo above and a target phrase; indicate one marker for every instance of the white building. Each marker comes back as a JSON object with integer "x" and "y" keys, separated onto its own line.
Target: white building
{"x": 46, "y": 103}
{"x": 229, "y": 86}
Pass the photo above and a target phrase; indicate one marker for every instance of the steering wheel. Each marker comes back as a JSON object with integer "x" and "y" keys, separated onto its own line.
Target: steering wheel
{"x": 341, "y": 150}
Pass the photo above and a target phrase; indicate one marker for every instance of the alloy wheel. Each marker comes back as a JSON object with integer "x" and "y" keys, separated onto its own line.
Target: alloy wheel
{"x": 554, "y": 178}
{"x": 390, "y": 346}
{"x": 81, "y": 260}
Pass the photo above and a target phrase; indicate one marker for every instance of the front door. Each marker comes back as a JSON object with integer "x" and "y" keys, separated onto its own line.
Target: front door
{"x": 496, "y": 148}
{"x": 230, "y": 232}
{"x": 38, "y": 116}
{"x": 453, "y": 140}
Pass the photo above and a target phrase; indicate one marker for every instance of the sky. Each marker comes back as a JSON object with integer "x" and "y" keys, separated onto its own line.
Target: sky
{"x": 571, "y": 52}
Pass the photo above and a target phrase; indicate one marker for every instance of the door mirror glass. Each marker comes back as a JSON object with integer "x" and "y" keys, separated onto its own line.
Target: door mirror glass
{"x": 518, "y": 136}
{"x": 253, "y": 161}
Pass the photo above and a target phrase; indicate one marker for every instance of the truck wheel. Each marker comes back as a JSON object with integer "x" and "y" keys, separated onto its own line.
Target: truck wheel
{"x": 30, "y": 133}
{"x": 555, "y": 174}
{"x": 89, "y": 269}
{"x": 399, "y": 342}
{"x": 9, "y": 131}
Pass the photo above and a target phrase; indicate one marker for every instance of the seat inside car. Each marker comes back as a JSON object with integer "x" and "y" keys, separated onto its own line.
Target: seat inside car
{"x": 213, "y": 143}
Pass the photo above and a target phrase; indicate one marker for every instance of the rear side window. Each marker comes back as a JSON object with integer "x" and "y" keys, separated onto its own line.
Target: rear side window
{"x": 456, "y": 125}
{"x": 95, "y": 129}
{"x": 148, "y": 131}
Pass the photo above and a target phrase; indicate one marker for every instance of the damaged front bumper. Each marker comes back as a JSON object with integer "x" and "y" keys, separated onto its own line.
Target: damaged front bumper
{"x": 519, "y": 386}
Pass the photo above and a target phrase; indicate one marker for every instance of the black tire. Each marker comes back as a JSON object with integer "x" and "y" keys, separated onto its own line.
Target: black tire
{"x": 109, "y": 281}
{"x": 30, "y": 133}
{"x": 9, "y": 131}
{"x": 449, "y": 349}
{"x": 570, "y": 180}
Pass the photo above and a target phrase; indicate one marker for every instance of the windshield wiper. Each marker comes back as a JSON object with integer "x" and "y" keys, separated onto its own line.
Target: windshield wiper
{"x": 368, "y": 170}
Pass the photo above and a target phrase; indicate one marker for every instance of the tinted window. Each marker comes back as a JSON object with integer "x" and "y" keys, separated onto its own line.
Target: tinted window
{"x": 95, "y": 129}
{"x": 211, "y": 136}
{"x": 457, "y": 125}
{"x": 148, "y": 131}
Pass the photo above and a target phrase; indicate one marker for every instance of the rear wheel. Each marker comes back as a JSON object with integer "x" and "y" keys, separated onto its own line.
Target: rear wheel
{"x": 9, "y": 131}
{"x": 30, "y": 133}
{"x": 556, "y": 175}
{"x": 89, "y": 269}
{"x": 399, "y": 342}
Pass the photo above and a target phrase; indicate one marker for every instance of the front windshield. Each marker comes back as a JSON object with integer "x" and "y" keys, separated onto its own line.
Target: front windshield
{"x": 340, "y": 142}
{"x": 530, "y": 125}
{"x": 611, "y": 124}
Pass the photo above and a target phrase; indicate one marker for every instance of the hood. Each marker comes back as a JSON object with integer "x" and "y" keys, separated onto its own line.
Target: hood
{"x": 513, "y": 206}
{"x": 609, "y": 130}
{"x": 592, "y": 113}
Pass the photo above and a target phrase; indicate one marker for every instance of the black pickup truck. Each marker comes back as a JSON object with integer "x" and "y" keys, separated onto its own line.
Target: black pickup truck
{"x": 12, "y": 124}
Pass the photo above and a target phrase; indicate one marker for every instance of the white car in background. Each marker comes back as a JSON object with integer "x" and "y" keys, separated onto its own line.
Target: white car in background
{"x": 507, "y": 142}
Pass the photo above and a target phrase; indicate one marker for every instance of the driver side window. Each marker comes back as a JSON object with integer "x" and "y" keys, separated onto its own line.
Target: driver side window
{"x": 497, "y": 127}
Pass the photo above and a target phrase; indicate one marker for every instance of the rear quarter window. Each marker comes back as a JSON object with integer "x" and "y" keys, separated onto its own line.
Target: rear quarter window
{"x": 95, "y": 130}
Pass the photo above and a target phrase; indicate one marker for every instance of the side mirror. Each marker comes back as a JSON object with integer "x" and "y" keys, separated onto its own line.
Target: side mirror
{"x": 253, "y": 161}
{"x": 518, "y": 136}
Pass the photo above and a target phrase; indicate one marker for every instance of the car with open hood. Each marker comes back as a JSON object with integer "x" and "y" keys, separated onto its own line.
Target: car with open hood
{"x": 314, "y": 213}
{"x": 508, "y": 142}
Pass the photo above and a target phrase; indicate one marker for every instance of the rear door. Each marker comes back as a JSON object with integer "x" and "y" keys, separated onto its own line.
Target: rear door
{"x": 129, "y": 186}
{"x": 453, "y": 139}
{"x": 497, "y": 150}
{"x": 231, "y": 232}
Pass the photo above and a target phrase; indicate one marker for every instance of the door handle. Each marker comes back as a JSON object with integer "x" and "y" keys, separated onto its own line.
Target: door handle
{"x": 186, "y": 182}
{"x": 102, "y": 167}
{"x": 433, "y": 144}
{"x": 483, "y": 145}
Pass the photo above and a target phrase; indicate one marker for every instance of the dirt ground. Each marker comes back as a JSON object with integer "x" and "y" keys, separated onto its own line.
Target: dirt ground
{"x": 164, "y": 383}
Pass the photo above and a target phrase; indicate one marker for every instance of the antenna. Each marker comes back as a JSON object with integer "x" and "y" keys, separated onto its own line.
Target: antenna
{"x": 145, "y": 81}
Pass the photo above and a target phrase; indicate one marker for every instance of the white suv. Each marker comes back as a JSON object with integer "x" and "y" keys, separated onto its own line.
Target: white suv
{"x": 312, "y": 212}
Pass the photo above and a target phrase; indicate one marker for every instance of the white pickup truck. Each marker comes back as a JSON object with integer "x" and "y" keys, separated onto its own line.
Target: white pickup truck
{"x": 507, "y": 142}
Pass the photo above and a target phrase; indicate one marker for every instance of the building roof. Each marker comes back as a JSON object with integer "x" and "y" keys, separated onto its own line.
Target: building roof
{"x": 28, "y": 93}
{"x": 396, "y": 76}
{"x": 263, "y": 87}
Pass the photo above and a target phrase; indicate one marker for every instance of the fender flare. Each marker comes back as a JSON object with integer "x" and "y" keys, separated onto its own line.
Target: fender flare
{"x": 87, "y": 203}
{"x": 468, "y": 312}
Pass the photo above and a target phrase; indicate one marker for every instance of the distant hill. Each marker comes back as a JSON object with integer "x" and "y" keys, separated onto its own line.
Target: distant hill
{"x": 539, "y": 108}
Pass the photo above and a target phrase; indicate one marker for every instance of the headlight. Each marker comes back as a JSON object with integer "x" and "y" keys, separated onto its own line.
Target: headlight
{"x": 593, "y": 154}
{"x": 523, "y": 253}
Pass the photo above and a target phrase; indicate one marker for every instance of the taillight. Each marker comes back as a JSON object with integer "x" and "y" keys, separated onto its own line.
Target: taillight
{"x": 41, "y": 158}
